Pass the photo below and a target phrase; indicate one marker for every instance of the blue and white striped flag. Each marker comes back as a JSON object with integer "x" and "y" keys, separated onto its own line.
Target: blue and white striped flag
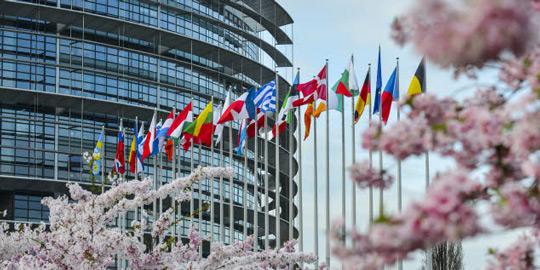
{"x": 265, "y": 98}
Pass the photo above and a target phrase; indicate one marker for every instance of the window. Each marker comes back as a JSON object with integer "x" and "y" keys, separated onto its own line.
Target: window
{"x": 29, "y": 208}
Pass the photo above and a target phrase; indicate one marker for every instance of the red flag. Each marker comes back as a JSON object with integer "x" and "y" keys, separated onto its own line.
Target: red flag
{"x": 169, "y": 149}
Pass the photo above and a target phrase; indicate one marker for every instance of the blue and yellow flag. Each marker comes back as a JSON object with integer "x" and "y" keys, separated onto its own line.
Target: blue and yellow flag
{"x": 96, "y": 167}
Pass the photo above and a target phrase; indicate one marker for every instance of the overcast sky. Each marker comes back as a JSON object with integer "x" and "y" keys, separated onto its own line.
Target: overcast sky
{"x": 335, "y": 30}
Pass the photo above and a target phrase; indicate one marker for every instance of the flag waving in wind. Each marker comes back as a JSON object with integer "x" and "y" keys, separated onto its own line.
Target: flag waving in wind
{"x": 364, "y": 99}
{"x": 265, "y": 98}
{"x": 202, "y": 129}
{"x": 346, "y": 86}
{"x": 378, "y": 87}
{"x": 390, "y": 94}
{"x": 242, "y": 108}
{"x": 119, "y": 162}
{"x": 148, "y": 147}
{"x": 329, "y": 100}
{"x": 307, "y": 120}
{"x": 418, "y": 83}
{"x": 219, "y": 127}
{"x": 96, "y": 167}
{"x": 177, "y": 126}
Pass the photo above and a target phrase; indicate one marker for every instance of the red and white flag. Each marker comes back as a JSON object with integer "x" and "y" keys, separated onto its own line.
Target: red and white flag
{"x": 175, "y": 130}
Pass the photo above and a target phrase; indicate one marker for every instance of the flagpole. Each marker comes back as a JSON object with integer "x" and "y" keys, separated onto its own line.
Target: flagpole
{"x": 400, "y": 262}
{"x": 102, "y": 159}
{"x": 121, "y": 179}
{"x": 327, "y": 173}
{"x": 353, "y": 158}
{"x": 211, "y": 200}
{"x": 343, "y": 208}
{"x": 291, "y": 183}
{"x": 231, "y": 188}
{"x": 135, "y": 177}
{"x": 370, "y": 155}
{"x": 200, "y": 208}
{"x": 244, "y": 177}
{"x": 300, "y": 202}
{"x": 278, "y": 173}
{"x": 315, "y": 192}
{"x": 256, "y": 190}
{"x": 173, "y": 201}
{"x": 266, "y": 214}
{"x": 221, "y": 195}
{"x": 430, "y": 251}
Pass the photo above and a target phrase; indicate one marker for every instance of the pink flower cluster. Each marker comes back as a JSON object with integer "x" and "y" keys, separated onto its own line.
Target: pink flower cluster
{"x": 443, "y": 214}
{"x": 519, "y": 256}
{"x": 81, "y": 234}
{"x": 365, "y": 176}
{"x": 468, "y": 33}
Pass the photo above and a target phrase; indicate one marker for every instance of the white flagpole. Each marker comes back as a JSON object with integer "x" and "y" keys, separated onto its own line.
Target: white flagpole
{"x": 135, "y": 215}
{"x": 200, "y": 206}
{"x": 266, "y": 214}
{"x": 370, "y": 155}
{"x": 300, "y": 202}
{"x": 353, "y": 158}
{"x": 221, "y": 195}
{"x": 244, "y": 194}
{"x": 191, "y": 206}
{"x": 430, "y": 251}
{"x": 327, "y": 173}
{"x": 211, "y": 200}
{"x": 103, "y": 159}
{"x": 400, "y": 262}
{"x": 121, "y": 179}
{"x": 256, "y": 191}
{"x": 291, "y": 182}
{"x": 278, "y": 173}
{"x": 231, "y": 188}
{"x": 315, "y": 191}
{"x": 343, "y": 207}
{"x": 173, "y": 201}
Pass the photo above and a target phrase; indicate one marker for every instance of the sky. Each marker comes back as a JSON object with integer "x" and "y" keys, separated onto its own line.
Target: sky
{"x": 334, "y": 30}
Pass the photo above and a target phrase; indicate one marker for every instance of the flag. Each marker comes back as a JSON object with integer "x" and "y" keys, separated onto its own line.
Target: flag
{"x": 133, "y": 151}
{"x": 162, "y": 134}
{"x": 201, "y": 129}
{"x": 307, "y": 119}
{"x": 119, "y": 162}
{"x": 156, "y": 142}
{"x": 242, "y": 136}
{"x": 418, "y": 83}
{"x": 242, "y": 108}
{"x": 378, "y": 87}
{"x": 148, "y": 141}
{"x": 251, "y": 132}
{"x": 364, "y": 98}
{"x": 219, "y": 127}
{"x": 346, "y": 86}
{"x": 96, "y": 167}
{"x": 265, "y": 98}
{"x": 177, "y": 126}
{"x": 282, "y": 119}
{"x": 292, "y": 96}
{"x": 140, "y": 148}
{"x": 169, "y": 149}
{"x": 329, "y": 100}
{"x": 390, "y": 94}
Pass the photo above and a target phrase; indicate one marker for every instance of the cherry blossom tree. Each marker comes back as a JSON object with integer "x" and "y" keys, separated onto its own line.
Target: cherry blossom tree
{"x": 81, "y": 233}
{"x": 493, "y": 137}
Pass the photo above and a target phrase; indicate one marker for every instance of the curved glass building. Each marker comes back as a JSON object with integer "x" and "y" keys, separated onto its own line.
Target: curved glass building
{"x": 69, "y": 67}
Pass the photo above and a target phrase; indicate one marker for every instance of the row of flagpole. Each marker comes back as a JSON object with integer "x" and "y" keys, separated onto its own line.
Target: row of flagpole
{"x": 312, "y": 94}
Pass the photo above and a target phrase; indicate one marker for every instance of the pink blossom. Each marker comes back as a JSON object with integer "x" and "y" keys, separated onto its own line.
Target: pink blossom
{"x": 365, "y": 176}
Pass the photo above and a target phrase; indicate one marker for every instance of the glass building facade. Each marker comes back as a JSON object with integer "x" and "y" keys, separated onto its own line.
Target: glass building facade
{"x": 70, "y": 67}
